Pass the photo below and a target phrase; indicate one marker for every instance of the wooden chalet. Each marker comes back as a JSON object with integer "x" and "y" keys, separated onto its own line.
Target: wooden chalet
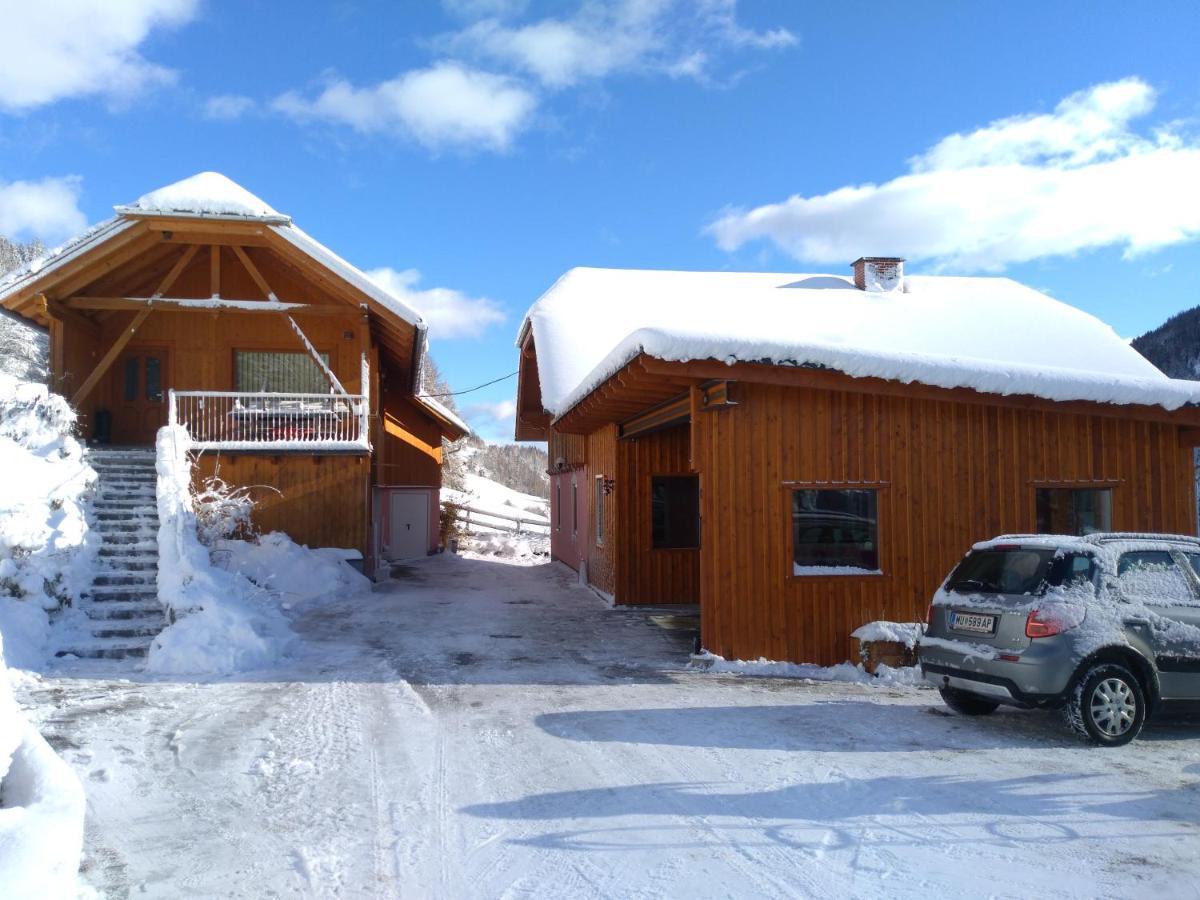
{"x": 800, "y": 455}
{"x": 201, "y": 306}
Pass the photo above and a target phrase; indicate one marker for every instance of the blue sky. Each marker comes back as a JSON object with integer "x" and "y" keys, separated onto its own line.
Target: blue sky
{"x": 477, "y": 149}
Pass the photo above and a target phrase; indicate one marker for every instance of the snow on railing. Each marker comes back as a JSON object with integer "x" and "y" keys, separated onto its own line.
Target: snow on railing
{"x": 238, "y": 420}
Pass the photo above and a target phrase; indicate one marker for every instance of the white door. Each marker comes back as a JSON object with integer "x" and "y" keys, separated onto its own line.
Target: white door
{"x": 408, "y": 521}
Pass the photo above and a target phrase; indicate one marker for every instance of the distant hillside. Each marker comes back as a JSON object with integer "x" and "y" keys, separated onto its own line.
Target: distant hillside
{"x": 1174, "y": 346}
{"x": 24, "y": 350}
{"x": 517, "y": 466}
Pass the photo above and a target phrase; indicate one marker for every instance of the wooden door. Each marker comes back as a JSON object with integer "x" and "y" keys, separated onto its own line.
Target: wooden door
{"x": 139, "y": 395}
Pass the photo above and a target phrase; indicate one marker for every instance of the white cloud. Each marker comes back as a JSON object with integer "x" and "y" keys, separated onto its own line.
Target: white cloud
{"x": 502, "y": 410}
{"x": 228, "y": 107}
{"x": 46, "y": 209}
{"x": 673, "y": 37}
{"x": 56, "y": 49}
{"x": 1018, "y": 189}
{"x": 445, "y": 104}
{"x": 450, "y": 313}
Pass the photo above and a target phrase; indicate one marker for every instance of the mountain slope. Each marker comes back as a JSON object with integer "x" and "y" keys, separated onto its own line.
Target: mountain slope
{"x": 1174, "y": 346}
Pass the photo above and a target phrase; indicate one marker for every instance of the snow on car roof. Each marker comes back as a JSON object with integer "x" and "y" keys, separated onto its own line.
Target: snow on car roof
{"x": 988, "y": 334}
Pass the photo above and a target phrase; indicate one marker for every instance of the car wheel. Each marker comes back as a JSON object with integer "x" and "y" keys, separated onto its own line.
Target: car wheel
{"x": 967, "y": 704}
{"x": 1108, "y": 706}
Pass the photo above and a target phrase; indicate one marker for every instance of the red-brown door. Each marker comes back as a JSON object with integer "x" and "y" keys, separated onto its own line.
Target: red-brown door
{"x": 139, "y": 395}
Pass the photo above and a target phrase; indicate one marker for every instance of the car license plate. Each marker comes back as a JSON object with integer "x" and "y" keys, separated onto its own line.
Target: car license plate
{"x": 972, "y": 622}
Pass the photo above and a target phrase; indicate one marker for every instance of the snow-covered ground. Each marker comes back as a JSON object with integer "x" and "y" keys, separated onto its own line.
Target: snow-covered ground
{"x": 484, "y": 495}
{"x": 476, "y": 728}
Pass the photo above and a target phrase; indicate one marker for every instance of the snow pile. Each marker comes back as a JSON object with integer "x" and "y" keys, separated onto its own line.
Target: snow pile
{"x": 41, "y": 810}
{"x": 988, "y": 334}
{"x": 228, "y": 615}
{"x": 845, "y": 672}
{"x": 527, "y": 547}
{"x": 905, "y": 633}
{"x": 222, "y": 622}
{"x": 47, "y": 550}
{"x": 207, "y": 193}
{"x": 293, "y": 571}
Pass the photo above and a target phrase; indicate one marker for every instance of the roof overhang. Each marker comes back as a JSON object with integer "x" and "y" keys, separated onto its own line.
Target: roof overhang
{"x": 645, "y": 382}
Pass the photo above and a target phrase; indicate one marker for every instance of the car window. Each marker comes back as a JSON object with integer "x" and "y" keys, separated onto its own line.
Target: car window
{"x": 1002, "y": 571}
{"x": 1072, "y": 569}
{"x": 1153, "y": 576}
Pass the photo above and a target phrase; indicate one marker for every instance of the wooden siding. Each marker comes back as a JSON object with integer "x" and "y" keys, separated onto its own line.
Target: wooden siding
{"x": 409, "y": 444}
{"x": 948, "y": 474}
{"x": 648, "y": 576}
{"x": 321, "y": 500}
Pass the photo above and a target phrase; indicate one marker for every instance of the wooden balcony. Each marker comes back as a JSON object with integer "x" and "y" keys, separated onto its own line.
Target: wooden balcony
{"x": 233, "y": 420}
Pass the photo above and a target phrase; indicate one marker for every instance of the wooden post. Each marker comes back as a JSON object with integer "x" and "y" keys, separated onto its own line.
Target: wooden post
{"x": 109, "y": 358}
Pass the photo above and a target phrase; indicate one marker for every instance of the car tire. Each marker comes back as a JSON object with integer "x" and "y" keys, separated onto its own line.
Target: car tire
{"x": 1107, "y": 706}
{"x": 967, "y": 704}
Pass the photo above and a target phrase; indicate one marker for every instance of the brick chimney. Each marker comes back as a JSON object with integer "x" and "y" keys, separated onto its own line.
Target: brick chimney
{"x": 879, "y": 273}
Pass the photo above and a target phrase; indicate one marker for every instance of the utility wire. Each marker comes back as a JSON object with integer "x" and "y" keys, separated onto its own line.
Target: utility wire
{"x": 476, "y": 388}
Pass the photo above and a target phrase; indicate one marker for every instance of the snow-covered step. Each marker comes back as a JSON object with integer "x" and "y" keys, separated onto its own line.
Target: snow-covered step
{"x": 119, "y": 564}
{"x": 130, "y": 610}
{"x": 144, "y": 578}
{"x": 146, "y": 626}
{"x": 109, "y": 649}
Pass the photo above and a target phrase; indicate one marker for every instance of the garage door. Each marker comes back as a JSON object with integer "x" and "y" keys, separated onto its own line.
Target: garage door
{"x": 408, "y": 526}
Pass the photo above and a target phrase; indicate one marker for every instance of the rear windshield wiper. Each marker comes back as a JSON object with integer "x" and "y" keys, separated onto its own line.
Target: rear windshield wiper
{"x": 973, "y": 583}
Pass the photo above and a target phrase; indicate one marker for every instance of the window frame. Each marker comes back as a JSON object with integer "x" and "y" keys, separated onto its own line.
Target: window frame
{"x": 1181, "y": 562}
{"x": 693, "y": 548}
{"x": 598, "y": 509}
{"x": 1109, "y": 486}
{"x": 881, "y": 523}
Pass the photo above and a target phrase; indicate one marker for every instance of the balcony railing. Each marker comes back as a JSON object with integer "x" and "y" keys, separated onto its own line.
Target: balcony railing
{"x": 233, "y": 420}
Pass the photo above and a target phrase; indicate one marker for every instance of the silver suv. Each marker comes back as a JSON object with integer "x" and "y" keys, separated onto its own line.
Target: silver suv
{"x": 1105, "y": 627}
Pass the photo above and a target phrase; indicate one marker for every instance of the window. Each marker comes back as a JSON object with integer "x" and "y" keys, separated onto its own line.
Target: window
{"x": 675, "y": 512}
{"x": 1020, "y": 570}
{"x": 835, "y": 532}
{"x": 132, "y": 377}
{"x": 1072, "y": 511}
{"x": 279, "y": 373}
{"x": 154, "y": 379}
{"x": 599, "y": 480}
{"x": 574, "y": 507}
{"x": 558, "y": 504}
{"x": 1154, "y": 577}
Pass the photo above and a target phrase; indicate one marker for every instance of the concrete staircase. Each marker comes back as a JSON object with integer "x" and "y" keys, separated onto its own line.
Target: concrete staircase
{"x": 122, "y": 608}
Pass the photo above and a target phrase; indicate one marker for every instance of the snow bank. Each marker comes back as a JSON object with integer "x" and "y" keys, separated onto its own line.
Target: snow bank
{"x": 47, "y": 550}
{"x": 206, "y": 193}
{"x": 293, "y": 571}
{"x": 987, "y": 334}
{"x": 228, "y": 616}
{"x": 41, "y": 810}
{"x": 221, "y": 622}
{"x": 905, "y": 633}
{"x": 527, "y": 547}
{"x": 844, "y": 672}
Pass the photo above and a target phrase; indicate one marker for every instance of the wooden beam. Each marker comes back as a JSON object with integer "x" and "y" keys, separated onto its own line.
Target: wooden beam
{"x": 56, "y": 311}
{"x": 110, "y": 256}
{"x": 214, "y": 270}
{"x": 1189, "y": 437}
{"x": 109, "y": 358}
{"x": 256, "y": 275}
{"x": 240, "y": 238}
{"x": 201, "y": 304}
{"x": 176, "y": 270}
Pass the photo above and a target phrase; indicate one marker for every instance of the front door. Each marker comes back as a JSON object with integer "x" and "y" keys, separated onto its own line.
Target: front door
{"x": 408, "y": 525}
{"x": 139, "y": 395}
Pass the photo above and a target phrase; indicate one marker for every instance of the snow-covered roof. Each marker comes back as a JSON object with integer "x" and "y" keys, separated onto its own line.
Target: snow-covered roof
{"x": 203, "y": 194}
{"x": 440, "y": 409}
{"x": 988, "y": 334}
{"x": 209, "y": 195}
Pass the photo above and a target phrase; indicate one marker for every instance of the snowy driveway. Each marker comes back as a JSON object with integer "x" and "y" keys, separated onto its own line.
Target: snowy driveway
{"x": 479, "y": 729}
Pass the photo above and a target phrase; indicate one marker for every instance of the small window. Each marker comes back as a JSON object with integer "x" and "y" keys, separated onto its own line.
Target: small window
{"x": 558, "y": 504}
{"x": 675, "y": 512}
{"x": 835, "y": 532}
{"x": 1153, "y": 576}
{"x": 574, "y": 507}
{"x": 154, "y": 379}
{"x": 133, "y": 371}
{"x": 1072, "y": 511}
{"x": 259, "y": 371}
{"x": 599, "y": 493}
